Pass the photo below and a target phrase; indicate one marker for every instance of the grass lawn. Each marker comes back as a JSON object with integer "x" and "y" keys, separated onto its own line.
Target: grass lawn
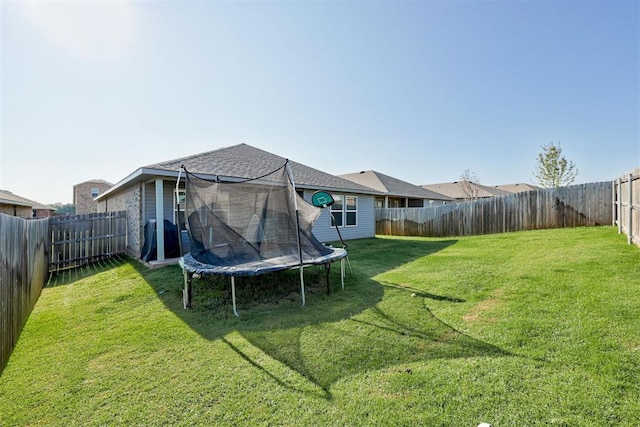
{"x": 529, "y": 328}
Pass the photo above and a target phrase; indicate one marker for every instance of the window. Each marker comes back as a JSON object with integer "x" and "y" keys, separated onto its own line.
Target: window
{"x": 95, "y": 192}
{"x": 345, "y": 211}
{"x": 180, "y": 198}
{"x": 351, "y": 209}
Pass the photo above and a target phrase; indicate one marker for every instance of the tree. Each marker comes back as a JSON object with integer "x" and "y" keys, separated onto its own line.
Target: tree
{"x": 468, "y": 184}
{"x": 553, "y": 170}
{"x": 64, "y": 209}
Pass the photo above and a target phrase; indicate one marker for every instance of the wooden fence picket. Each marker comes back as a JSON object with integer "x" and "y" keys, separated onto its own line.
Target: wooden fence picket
{"x": 573, "y": 206}
{"x": 77, "y": 240}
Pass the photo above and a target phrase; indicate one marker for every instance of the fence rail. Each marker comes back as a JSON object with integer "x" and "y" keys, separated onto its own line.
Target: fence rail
{"x": 24, "y": 247}
{"x": 627, "y": 206}
{"x": 78, "y": 240}
{"x": 572, "y": 206}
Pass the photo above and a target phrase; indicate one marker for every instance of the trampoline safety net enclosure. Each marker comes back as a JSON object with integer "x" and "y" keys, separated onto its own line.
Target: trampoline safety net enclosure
{"x": 250, "y": 227}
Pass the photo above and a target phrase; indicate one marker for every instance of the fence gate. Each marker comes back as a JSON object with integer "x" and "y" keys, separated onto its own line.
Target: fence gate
{"x": 78, "y": 240}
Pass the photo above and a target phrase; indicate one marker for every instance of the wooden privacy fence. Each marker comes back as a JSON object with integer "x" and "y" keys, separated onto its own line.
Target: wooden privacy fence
{"x": 572, "y": 206}
{"x": 78, "y": 240}
{"x": 627, "y": 206}
{"x": 24, "y": 247}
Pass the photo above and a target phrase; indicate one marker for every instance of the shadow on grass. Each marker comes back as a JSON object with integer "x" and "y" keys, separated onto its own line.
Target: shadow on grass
{"x": 65, "y": 277}
{"x": 367, "y": 326}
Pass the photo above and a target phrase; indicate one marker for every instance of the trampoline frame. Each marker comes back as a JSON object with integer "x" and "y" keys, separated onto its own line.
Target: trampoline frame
{"x": 193, "y": 268}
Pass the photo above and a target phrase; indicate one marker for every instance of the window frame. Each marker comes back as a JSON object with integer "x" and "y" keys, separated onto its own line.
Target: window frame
{"x": 344, "y": 212}
{"x": 179, "y": 195}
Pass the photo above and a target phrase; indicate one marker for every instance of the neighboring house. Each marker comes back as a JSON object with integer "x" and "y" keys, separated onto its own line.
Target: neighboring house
{"x": 43, "y": 211}
{"x": 149, "y": 193}
{"x": 14, "y": 205}
{"x": 397, "y": 193}
{"x": 84, "y": 195}
{"x": 465, "y": 190}
{"x": 517, "y": 188}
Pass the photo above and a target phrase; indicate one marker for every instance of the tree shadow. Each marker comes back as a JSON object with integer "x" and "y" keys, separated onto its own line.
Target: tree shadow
{"x": 401, "y": 332}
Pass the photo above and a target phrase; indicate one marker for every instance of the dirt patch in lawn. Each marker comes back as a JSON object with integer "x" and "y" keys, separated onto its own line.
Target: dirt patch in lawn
{"x": 481, "y": 309}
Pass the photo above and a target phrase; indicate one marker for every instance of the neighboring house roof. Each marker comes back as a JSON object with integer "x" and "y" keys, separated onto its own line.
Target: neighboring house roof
{"x": 44, "y": 207}
{"x": 97, "y": 181}
{"x": 520, "y": 187}
{"x": 8, "y": 198}
{"x": 94, "y": 181}
{"x": 456, "y": 190}
{"x": 392, "y": 186}
{"x": 240, "y": 161}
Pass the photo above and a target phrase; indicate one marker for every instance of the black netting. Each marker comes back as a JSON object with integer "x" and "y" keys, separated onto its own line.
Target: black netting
{"x": 251, "y": 222}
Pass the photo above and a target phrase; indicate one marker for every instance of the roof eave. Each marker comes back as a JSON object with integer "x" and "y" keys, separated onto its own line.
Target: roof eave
{"x": 337, "y": 189}
{"x": 15, "y": 203}
{"x": 146, "y": 173}
{"x": 140, "y": 174}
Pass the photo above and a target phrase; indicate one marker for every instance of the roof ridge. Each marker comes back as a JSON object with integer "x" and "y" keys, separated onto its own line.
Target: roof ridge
{"x": 152, "y": 165}
{"x": 376, "y": 173}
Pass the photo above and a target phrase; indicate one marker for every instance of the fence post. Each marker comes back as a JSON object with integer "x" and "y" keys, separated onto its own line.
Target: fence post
{"x": 619, "y": 204}
{"x": 110, "y": 250}
{"x": 630, "y": 233}
{"x": 613, "y": 202}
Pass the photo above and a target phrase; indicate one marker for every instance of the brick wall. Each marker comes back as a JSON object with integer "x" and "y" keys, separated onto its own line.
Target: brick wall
{"x": 19, "y": 211}
{"x": 82, "y": 196}
{"x": 43, "y": 213}
{"x": 129, "y": 200}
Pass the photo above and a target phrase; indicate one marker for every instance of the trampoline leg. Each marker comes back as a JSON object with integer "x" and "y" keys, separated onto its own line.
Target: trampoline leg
{"x": 186, "y": 293}
{"x": 302, "y": 283}
{"x": 233, "y": 295}
{"x": 342, "y": 272}
{"x": 327, "y": 268}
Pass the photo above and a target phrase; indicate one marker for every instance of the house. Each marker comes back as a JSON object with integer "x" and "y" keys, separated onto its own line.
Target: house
{"x": 43, "y": 211}
{"x": 84, "y": 195}
{"x": 395, "y": 192}
{"x": 517, "y": 188}
{"x": 149, "y": 193}
{"x": 465, "y": 190}
{"x": 14, "y": 205}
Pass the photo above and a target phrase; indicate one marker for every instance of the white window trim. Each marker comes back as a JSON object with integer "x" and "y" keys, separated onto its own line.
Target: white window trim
{"x": 344, "y": 211}
{"x": 176, "y": 194}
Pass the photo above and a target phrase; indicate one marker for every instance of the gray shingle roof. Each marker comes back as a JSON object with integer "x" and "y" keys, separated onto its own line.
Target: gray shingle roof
{"x": 455, "y": 190}
{"x": 97, "y": 181}
{"x": 517, "y": 188}
{"x": 245, "y": 161}
{"x": 392, "y": 186}
{"x": 8, "y": 198}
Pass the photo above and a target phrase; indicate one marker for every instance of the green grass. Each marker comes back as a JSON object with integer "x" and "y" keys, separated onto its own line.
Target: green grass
{"x": 530, "y": 328}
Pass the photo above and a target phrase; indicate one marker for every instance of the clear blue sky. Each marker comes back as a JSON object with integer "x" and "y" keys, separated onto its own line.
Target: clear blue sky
{"x": 417, "y": 90}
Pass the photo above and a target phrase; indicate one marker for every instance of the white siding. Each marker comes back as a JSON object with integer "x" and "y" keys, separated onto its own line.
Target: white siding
{"x": 366, "y": 221}
{"x": 150, "y": 200}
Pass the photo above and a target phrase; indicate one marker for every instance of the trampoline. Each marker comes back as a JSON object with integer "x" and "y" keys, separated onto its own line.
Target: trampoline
{"x": 252, "y": 226}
